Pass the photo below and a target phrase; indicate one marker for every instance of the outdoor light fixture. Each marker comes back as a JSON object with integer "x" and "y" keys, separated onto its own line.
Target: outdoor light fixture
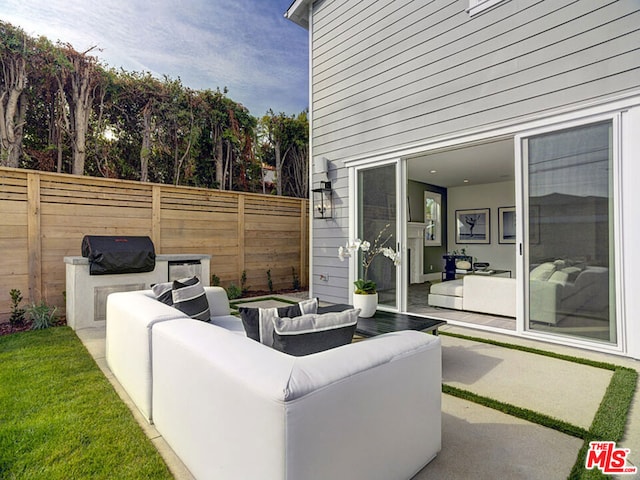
{"x": 322, "y": 199}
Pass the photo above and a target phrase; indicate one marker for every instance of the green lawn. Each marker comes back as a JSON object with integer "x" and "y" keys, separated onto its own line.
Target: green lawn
{"x": 60, "y": 418}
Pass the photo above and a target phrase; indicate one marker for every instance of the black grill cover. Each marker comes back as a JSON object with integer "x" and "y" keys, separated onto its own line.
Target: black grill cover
{"x": 112, "y": 255}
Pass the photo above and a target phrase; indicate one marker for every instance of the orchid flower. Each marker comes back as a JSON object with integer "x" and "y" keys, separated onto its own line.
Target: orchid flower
{"x": 369, "y": 251}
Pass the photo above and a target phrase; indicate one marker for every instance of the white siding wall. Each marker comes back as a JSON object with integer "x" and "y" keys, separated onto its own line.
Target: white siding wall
{"x": 393, "y": 73}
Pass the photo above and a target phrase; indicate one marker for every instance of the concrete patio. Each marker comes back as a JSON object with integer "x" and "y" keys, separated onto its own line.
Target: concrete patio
{"x": 479, "y": 442}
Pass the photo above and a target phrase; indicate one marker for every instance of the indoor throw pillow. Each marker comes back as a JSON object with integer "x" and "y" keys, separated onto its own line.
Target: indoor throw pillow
{"x": 189, "y": 297}
{"x": 258, "y": 322}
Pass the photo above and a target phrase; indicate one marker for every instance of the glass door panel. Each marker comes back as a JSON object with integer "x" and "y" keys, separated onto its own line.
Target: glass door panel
{"x": 569, "y": 232}
{"x": 377, "y": 212}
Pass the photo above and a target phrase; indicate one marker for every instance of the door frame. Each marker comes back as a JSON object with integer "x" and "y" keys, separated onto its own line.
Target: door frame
{"x": 400, "y": 226}
{"x": 522, "y": 234}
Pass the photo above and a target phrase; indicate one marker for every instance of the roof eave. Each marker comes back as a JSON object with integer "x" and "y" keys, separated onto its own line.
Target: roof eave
{"x": 298, "y": 13}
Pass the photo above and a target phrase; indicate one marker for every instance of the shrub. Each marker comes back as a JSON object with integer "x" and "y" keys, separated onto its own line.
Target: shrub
{"x": 42, "y": 315}
{"x": 243, "y": 282}
{"x": 296, "y": 279}
{"x": 215, "y": 280}
{"x": 233, "y": 292}
{"x": 269, "y": 280}
{"x": 17, "y": 314}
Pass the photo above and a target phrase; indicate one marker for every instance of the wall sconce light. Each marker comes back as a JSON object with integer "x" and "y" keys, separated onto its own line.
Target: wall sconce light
{"x": 322, "y": 201}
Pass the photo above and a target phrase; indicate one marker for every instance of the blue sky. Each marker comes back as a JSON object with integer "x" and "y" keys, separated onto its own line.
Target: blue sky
{"x": 246, "y": 45}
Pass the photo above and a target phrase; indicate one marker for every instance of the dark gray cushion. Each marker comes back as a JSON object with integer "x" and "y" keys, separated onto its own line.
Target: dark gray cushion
{"x": 189, "y": 297}
{"x": 258, "y": 322}
{"x": 314, "y": 333}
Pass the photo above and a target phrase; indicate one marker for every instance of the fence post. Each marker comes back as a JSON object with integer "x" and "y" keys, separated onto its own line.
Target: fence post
{"x": 156, "y": 216}
{"x": 34, "y": 237}
{"x": 241, "y": 246}
{"x": 304, "y": 243}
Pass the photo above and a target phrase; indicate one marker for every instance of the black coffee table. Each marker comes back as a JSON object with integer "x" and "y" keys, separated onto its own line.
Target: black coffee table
{"x": 386, "y": 322}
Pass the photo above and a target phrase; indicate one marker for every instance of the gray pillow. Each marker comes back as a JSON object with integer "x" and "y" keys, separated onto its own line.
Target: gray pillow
{"x": 162, "y": 291}
{"x": 258, "y": 322}
{"x": 189, "y": 297}
{"x": 314, "y": 333}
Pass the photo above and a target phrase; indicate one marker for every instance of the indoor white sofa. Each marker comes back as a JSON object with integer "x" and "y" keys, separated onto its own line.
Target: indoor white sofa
{"x": 233, "y": 408}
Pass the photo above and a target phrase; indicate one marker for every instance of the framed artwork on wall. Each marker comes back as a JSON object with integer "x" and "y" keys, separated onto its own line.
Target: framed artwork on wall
{"x": 506, "y": 224}
{"x": 473, "y": 226}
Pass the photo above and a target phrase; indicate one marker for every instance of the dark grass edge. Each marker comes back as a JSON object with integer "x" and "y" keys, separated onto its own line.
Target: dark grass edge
{"x": 606, "y": 425}
{"x": 519, "y": 412}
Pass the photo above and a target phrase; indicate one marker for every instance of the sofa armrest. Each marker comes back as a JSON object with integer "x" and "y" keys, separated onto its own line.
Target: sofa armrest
{"x": 218, "y": 395}
{"x": 544, "y": 301}
{"x": 218, "y": 301}
{"x": 130, "y": 317}
{"x": 490, "y": 294}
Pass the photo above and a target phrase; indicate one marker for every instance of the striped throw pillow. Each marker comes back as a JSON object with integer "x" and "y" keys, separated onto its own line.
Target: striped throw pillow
{"x": 189, "y": 297}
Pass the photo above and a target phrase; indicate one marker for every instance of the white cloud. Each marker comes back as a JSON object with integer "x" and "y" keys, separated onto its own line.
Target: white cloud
{"x": 245, "y": 45}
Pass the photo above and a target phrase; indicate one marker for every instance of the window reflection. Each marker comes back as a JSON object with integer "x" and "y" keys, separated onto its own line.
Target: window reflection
{"x": 570, "y": 232}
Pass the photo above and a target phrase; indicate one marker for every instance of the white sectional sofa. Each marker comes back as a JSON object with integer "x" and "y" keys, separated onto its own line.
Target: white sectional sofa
{"x": 233, "y": 408}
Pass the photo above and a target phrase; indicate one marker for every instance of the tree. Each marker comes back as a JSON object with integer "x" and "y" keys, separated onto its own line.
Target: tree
{"x": 85, "y": 119}
{"x": 278, "y": 134}
{"x": 137, "y": 99}
{"x": 289, "y": 138}
{"x": 14, "y": 49}
{"x": 80, "y": 80}
{"x": 296, "y": 170}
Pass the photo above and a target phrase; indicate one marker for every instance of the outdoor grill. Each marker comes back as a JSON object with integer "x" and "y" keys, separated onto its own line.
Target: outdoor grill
{"x": 109, "y": 255}
{"x": 112, "y": 264}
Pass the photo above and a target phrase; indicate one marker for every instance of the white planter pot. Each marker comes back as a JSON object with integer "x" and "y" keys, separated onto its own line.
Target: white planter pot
{"x": 366, "y": 303}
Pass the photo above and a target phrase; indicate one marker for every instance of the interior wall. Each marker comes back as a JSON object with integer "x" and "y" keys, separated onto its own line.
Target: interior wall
{"x": 491, "y": 196}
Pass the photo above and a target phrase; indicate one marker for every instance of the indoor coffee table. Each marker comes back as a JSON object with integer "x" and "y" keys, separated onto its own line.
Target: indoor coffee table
{"x": 386, "y": 322}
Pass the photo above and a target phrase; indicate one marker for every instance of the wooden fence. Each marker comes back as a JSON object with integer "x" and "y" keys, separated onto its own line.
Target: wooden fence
{"x": 44, "y": 216}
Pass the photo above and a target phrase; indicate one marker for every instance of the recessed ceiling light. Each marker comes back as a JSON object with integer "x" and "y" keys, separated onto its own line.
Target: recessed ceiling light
{"x": 466, "y": 180}
{"x": 433, "y": 171}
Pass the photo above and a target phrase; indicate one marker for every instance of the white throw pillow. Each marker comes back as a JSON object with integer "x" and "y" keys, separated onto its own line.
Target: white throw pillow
{"x": 542, "y": 272}
{"x": 463, "y": 265}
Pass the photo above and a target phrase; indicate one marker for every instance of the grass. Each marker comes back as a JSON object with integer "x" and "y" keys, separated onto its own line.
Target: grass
{"x": 60, "y": 418}
{"x": 608, "y": 423}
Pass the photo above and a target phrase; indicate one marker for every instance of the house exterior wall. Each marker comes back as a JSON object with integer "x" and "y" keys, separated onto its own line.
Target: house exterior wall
{"x": 389, "y": 75}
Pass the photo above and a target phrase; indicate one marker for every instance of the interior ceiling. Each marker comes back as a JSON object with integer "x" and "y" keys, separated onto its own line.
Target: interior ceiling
{"x": 490, "y": 162}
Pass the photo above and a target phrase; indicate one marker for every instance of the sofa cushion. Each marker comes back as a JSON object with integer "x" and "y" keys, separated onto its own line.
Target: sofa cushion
{"x": 559, "y": 277}
{"x": 258, "y": 322}
{"x": 189, "y": 297}
{"x": 162, "y": 292}
{"x": 314, "y": 333}
{"x": 453, "y": 288}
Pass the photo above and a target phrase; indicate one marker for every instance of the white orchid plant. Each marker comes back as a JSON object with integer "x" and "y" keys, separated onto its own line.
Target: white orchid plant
{"x": 364, "y": 286}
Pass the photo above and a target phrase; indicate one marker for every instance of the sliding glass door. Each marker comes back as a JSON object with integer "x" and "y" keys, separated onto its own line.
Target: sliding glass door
{"x": 377, "y": 219}
{"x": 569, "y": 232}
